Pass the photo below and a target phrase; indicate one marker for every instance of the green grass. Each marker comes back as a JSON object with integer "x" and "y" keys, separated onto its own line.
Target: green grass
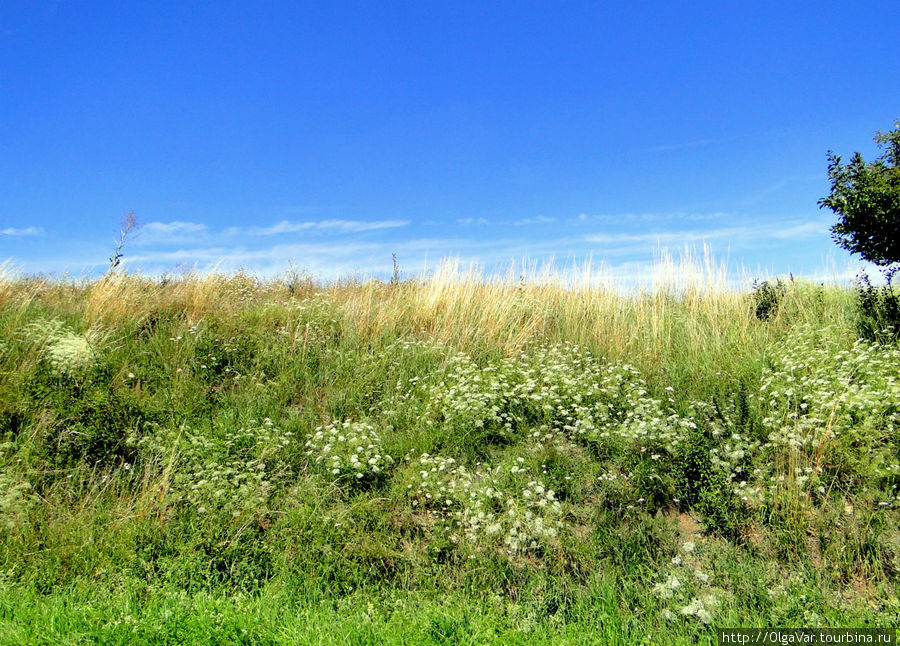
{"x": 226, "y": 460}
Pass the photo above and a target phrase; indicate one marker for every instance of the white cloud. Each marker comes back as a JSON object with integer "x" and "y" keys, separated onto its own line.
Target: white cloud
{"x": 169, "y": 232}
{"x": 799, "y": 230}
{"x": 341, "y": 226}
{"x": 539, "y": 219}
{"x": 737, "y": 235}
{"x": 635, "y": 218}
{"x": 174, "y": 227}
{"x": 324, "y": 259}
{"x": 254, "y": 249}
{"x": 27, "y": 231}
{"x": 468, "y": 221}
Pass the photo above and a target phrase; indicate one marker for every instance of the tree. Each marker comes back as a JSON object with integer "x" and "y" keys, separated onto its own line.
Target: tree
{"x": 866, "y": 198}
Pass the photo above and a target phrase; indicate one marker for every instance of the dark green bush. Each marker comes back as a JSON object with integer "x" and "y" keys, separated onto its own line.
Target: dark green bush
{"x": 209, "y": 555}
{"x": 878, "y": 308}
{"x": 653, "y": 484}
{"x": 92, "y": 419}
{"x": 767, "y": 297}
{"x": 702, "y": 488}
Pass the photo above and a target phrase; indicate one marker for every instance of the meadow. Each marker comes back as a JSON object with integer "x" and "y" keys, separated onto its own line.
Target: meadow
{"x": 446, "y": 460}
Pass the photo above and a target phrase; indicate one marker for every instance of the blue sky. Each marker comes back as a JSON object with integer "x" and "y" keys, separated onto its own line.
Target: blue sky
{"x": 330, "y": 135}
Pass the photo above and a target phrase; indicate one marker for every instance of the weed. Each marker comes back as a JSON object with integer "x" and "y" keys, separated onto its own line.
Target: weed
{"x": 878, "y": 308}
{"x": 767, "y": 296}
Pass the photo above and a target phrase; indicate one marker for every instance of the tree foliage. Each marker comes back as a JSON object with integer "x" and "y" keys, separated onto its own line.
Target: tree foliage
{"x": 866, "y": 197}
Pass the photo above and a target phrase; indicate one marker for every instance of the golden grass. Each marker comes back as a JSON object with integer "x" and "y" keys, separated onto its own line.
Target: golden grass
{"x": 683, "y": 306}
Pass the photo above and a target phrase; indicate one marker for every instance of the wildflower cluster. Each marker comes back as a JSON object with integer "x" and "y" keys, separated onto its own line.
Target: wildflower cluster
{"x": 686, "y": 588}
{"x": 563, "y": 387}
{"x": 830, "y": 411}
{"x": 242, "y": 289}
{"x": 68, "y": 353}
{"x": 316, "y": 326}
{"x": 318, "y": 312}
{"x": 408, "y": 360}
{"x": 440, "y": 483}
{"x": 405, "y": 345}
{"x": 474, "y": 399}
{"x": 734, "y": 451}
{"x": 316, "y": 303}
{"x": 504, "y": 507}
{"x": 218, "y": 359}
{"x": 349, "y": 451}
{"x": 233, "y": 473}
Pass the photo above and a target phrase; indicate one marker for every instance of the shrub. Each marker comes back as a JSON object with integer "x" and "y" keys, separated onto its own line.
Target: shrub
{"x": 878, "y": 309}
{"x": 767, "y": 297}
{"x": 703, "y": 482}
{"x": 87, "y": 420}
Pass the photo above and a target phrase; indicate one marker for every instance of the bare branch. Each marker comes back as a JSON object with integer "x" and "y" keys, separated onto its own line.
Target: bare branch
{"x": 128, "y": 224}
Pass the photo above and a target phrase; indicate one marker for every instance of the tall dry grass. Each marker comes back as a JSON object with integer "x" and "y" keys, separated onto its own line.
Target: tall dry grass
{"x": 685, "y": 309}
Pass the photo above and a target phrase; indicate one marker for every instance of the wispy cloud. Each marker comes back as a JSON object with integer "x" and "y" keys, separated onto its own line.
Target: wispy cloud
{"x": 797, "y": 230}
{"x": 769, "y": 231}
{"x": 336, "y": 225}
{"x": 538, "y": 219}
{"x": 269, "y": 250}
{"x": 766, "y": 192}
{"x": 176, "y": 227}
{"x": 627, "y": 218}
{"x": 331, "y": 259}
{"x": 169, "y": 232}
{"x": 682, "y": 145}
{"x": 27, "y": 231}
{"x": 469, "y": 221}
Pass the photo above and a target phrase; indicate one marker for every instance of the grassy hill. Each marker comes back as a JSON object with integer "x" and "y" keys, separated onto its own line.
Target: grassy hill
{"x": 453, "y": 460}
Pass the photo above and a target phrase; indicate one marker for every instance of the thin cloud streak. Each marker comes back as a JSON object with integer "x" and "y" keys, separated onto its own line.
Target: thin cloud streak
{"x": 336, "y": 257}
{"x": 27, "y": 231}
{"x": 342, "y": 226}
{"x": 622, "y": 218}
{"x": 180, "y": 232}
{"x": 175, "y": 227}
{"x": 176, "y": 231}
{"x": 778, "y": 231}
{"x": 539, "y": 219}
